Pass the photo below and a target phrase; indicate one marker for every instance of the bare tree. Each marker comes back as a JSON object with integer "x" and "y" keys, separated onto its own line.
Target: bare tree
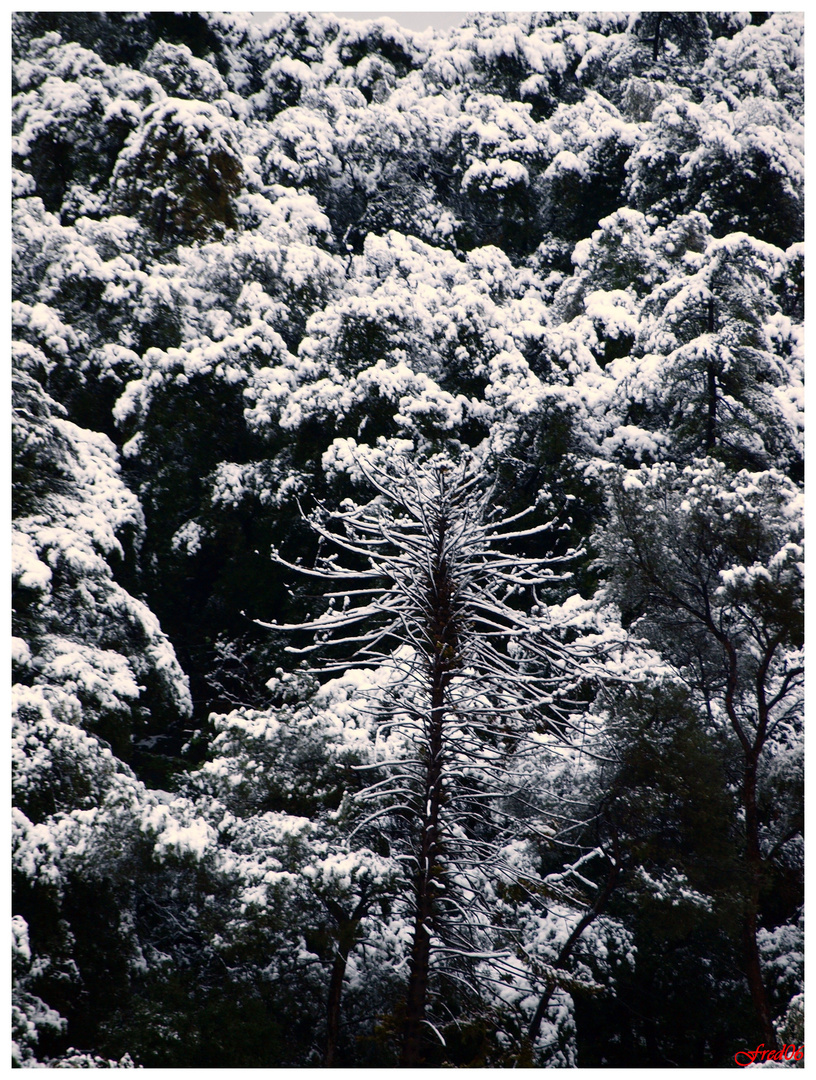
{"x": 433, "y": 588}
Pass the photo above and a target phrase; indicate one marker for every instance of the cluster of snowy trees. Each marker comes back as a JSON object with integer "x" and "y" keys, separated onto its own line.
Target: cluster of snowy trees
{"x": 407, "y": 541}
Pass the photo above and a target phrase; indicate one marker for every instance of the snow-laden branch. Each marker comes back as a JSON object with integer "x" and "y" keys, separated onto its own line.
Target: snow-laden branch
{"x": 471, "y": 678}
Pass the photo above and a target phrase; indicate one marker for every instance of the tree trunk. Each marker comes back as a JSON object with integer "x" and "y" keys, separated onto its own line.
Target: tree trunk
{"x": 333, "y": 1007}
{"x": 588, "y": 917}
{"x": 443, "y": 647}
{"x": 753, "y": 853}
{"x": 711, "y": 390}
{"x": 412, "y": 1055}
{"x": 347, "y": 937}
{"x": 656, "y": 40}
{"x": 753, "y": 967}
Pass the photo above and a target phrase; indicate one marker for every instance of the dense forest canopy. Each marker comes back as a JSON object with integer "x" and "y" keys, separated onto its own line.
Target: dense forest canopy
{"x": 407, "y": 540}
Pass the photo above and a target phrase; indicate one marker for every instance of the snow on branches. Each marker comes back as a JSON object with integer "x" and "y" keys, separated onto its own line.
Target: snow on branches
{"x": 432, "y": 588}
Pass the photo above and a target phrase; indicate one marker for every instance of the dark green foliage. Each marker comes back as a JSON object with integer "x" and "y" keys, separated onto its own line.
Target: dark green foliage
{"x": 180, "y": 179}
{"x": 745, "y": 176}
{"x": 118, "y": 37}
{"x": 380, "y": 40}
{"x": 671, "y": 809}
{"x": 687, "y": 32}
{"x": 572, "y": 203}
{"x": 728, "y": 23}
{"x": 227, "y": 579}
{"x": 748, "y": 193}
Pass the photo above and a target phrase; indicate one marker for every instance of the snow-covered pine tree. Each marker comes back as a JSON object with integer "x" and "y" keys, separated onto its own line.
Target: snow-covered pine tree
{"x": 707, "y": 565}
{"x": 432, "y": 587}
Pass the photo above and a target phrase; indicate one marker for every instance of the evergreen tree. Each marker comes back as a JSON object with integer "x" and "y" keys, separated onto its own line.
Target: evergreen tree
{"x": 707, "y": 563}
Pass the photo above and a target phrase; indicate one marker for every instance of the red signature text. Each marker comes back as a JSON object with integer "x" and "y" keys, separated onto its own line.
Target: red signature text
{"x": 787, "y": 1053}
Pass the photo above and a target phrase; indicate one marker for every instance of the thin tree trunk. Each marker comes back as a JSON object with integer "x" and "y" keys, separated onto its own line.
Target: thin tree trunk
{"x": 588, "y": 917}
{"x": 753, "y": 966}
{"x": 656, "y": 41}
{"x": 753, "y": 853}
{"x": 333, "y": 1007}
{"x": 443, "y": 642}
{"x": 347, "y": 927}
{"x": 711, "y": 390}
{"x": 428, "y": 870}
